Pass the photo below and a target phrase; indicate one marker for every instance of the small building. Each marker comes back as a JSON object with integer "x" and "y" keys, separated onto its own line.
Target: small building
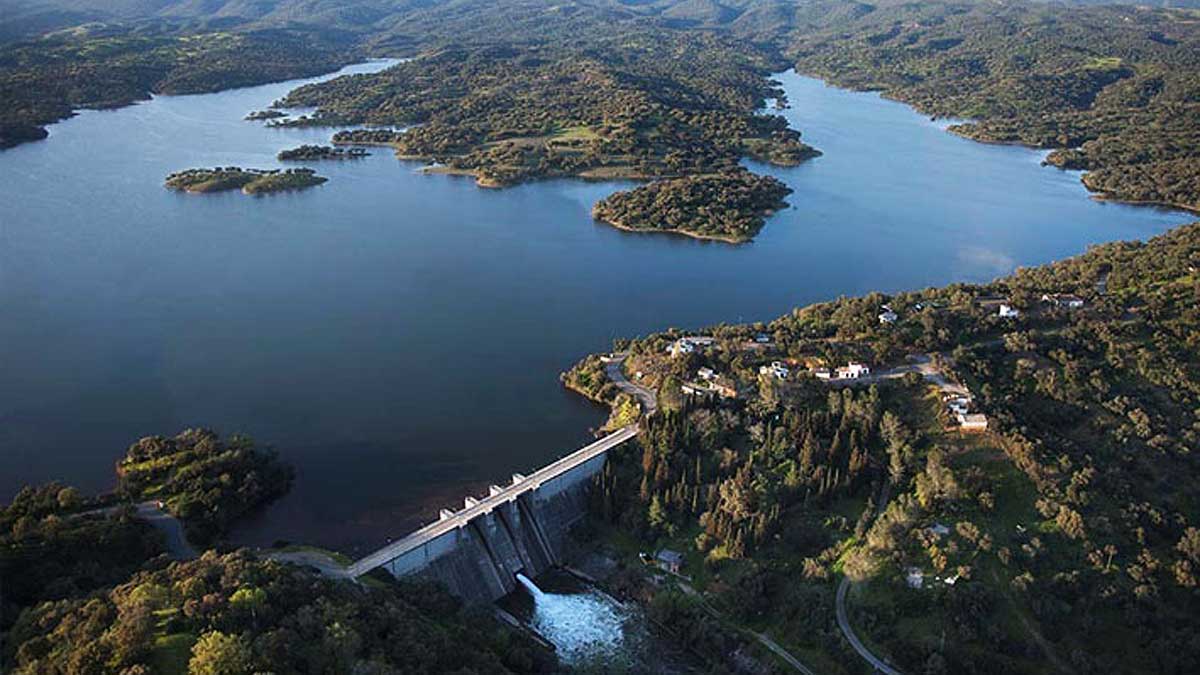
{"x": 822, "y": 373}
{"x": 1007, "y": 311}
{"x": 681, "y": 347}
{"x": 853, "y": 371}
{"x": 723, "y": 387}
{"x": 938, "y": 530}
{"x": 888, "y": 317}
{"x": 671, "y": 561}
{"x": 777, "y": 369}
{"x": 696, "y": 389}
{"x": 762, "y": 339}
{"x": 914, "y": 577}
{"x": 706, "y": 373}
{"x": 972, "y": 421}
{"x": 1063, "y": 300}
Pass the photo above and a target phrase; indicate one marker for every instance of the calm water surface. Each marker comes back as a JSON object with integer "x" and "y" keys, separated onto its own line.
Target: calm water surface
{"x": 399, "y": 336}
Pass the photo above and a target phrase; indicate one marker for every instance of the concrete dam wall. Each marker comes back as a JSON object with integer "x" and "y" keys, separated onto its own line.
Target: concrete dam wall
{"x": 521, "y": 528}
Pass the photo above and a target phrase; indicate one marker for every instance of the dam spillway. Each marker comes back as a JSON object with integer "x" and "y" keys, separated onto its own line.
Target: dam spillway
{"x": 521, "y": 528}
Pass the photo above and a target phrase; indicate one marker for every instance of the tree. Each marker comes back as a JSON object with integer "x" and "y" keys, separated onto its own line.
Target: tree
{"x": 216, "y": 653}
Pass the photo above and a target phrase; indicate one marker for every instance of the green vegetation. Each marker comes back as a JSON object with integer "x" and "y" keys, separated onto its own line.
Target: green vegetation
{"x": 250, "y": 181}
{"x": 236, "y": 614}
{"x": 43, "y": 81}
{"x": 642, "y": 105}
{"x": 730, "y": 206}
{"x": 1112, "y": 90}
{"x": 205, "y": 481}
{"x": 260, "y": 115}
{"x": 54, "y": 545}
{"x": 315, "y": 152}
{"x": 1061, "y": 535}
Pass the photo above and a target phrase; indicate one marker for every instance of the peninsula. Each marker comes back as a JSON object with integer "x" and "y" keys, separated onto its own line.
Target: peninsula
{"x": 249, "y": 181}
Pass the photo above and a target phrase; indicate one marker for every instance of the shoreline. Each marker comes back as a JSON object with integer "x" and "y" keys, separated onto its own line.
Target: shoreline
{"x": 678, "y": 232}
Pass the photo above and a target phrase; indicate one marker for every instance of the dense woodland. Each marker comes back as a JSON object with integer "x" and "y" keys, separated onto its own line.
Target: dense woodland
{"x": 1071, "y": 518}
{"x": 642, "y": 105}
{"x": 206, "y": 481}
{"x": 235, "y": 614}
{"x": 44, "y": 81}
{"x": 731, "y": 206}
{"x": 87, "y": 589}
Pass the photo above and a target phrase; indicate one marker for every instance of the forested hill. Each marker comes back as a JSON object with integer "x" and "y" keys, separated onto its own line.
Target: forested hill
{"x": 1112, "y": 90}
{"x": 1063, "y": 538}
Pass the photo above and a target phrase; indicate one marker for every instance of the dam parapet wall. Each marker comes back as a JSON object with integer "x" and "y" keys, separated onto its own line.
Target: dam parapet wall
{"x": 521, "y": 528}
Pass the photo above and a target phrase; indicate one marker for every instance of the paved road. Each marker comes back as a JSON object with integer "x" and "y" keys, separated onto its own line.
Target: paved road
{"x": 172, "y": 530}
{"x": 320, "y": 561}
{"x": 783, "y": 653}
{"x": 486, "y": 504}
{"x": 844, "y": 623}
{"x": 918, "y": 363}
{"x": 612, "y": 368}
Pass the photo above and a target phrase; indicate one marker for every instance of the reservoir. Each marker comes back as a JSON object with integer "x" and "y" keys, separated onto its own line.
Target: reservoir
{"x": 398, "y": 336}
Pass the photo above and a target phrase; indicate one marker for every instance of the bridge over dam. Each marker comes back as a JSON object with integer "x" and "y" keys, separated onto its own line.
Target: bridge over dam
{"x": 520, "y": 528}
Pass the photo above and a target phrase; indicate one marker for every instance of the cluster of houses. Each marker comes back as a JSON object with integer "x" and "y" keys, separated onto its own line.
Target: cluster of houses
{"x": 1056, "y": 300}
{"x": 710, "y": 384}
{"x": 959, "y": 405}
{"x": 851, "y": 371}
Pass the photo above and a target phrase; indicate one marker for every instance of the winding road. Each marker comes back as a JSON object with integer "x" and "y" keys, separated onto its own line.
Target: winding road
{"x": 612, "y": 368}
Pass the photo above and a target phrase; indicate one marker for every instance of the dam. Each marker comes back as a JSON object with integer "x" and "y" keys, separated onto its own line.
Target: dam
{"x": 517, "y": 529}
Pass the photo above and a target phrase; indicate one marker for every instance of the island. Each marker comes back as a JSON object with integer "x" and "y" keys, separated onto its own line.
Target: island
{"x": 268, "y": 114}
{"x": 250, "y": 181}
{"x": 319, "y": 152}
{"x": 730, "y": 206}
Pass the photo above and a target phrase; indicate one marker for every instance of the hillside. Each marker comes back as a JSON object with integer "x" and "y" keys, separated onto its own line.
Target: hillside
{"x": 1065, "y": 533}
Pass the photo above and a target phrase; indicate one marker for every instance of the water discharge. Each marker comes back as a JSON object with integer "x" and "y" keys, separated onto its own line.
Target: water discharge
{"x": 586, "y": 627}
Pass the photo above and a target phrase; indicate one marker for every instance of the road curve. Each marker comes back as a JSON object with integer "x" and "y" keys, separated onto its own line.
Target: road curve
{"x": 612, "y": 368}
{"x": 844, "y": 623}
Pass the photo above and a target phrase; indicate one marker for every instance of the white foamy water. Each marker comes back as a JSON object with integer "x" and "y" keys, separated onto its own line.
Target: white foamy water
{"x": 586, "y": 627}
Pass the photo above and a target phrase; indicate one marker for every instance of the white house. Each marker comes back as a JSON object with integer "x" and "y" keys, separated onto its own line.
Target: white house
{"x": 681, "y": 347}
{"x": 776, "y": 369}
{"x": 853, "y": 371}
{"x": 914, "y": 577}
{"x": 1007, "y": 311}
{"x": 887, "y": 316}
{"x": 1063, "y": 300}
{"x": 822, "y": 373}
{"x": 972, "y": 421}
{"x": 706, "y": 373}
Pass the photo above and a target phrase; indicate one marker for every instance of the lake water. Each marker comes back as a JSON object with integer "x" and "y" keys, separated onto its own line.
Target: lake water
{"x": 399, "y": 336}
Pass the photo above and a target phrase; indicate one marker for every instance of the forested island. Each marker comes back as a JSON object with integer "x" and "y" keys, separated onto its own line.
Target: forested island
{"x": 261, "y": 115}
{"x": 730, "y": 206}
{"x": 249, "y": 181}
{"x": 1000, "y": 492}
{"x": 318, "y": 152}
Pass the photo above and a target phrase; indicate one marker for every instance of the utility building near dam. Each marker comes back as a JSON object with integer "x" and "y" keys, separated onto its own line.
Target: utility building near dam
{"x": 517, "y": 529}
